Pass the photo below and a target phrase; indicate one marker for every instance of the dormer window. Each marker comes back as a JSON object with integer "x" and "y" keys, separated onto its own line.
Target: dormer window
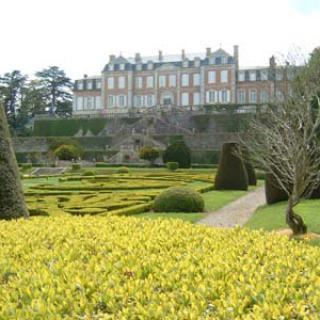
{"x": 223, "y": 60}
{"x": 185, "y": 64}
{"x": 89, "y": 84}
{"x": 139, "y": 67}
{"x": 110, "y": 67}
{"x": 122, "y": 66}
{"x": 218, "y": 60}
{"x": 211, "y": 60}
{"x": 150, "y": 65}
{"x": 80, "y": 85}
{"x": 197, "y": 62}
{"x": 98, "y": 84}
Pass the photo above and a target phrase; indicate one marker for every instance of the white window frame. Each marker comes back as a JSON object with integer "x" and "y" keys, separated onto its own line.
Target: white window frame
{"x": 111, "y": 67}
{"x": 121, "y": 82}
{"x": 150, "y": 82}
{"x": 185, "y": 99}
{"x": 211, "y": 96}
{"x": 185, "y": 80}
{"x": 224, "y": 75}
{"x": 97, "y": 102}
{"x": 196, "y": 98}
{"x": 150, "y": 65}
{"x": 224, "y": 96}
{"x": 79, "y": 103}
{"x": 139, "y": 66}
{"x": 98, "y": 84}
{"x": 264, "y": 96}
{"x": 253, "y": 75}
{"x": 185, "y": 64}
{"x": 138, "y": 82}
{"x": 139, "y": 99}
{"x": 111, "y": 100}
{"x": 196, "y": 79}
{"x": 172, "y": 80}
{"x": 122, "y": 101}
{"x": 264, "y": 75}
{"x": 162, "y": 81}
{"x": 150, "y": 100}
{"x": 122, "y": 66}
{"x": 111, "y": 83}
{"x": 89, "y": 84}
{"x": 241, "y": 96}
{"x": 212, "y": 76}
{"x": 80, "y": 85}
{"x": 253, "y": 91}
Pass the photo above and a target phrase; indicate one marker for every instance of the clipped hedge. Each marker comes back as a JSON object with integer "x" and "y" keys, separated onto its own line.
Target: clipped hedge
{"x": 274, "y": 193}
{"x": 178, "y": 152}
{"x": 231, "y": 174}
{"x": 178, "y": 199}
{"x": 172, "y": 166}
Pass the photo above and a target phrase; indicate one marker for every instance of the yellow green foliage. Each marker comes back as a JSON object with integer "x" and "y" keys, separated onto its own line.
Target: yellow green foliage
{"x": 125, "y": 268}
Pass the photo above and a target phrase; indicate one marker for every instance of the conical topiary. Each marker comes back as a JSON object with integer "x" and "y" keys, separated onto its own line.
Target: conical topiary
{"x": 274, "y": 193}
{"x": 12, "y": 203}
{"x": 231, "y": 173}
{"x": 252, "y": 179}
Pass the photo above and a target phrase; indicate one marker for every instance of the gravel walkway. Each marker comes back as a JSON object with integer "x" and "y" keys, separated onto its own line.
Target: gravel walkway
{"x": 237, "y": 212}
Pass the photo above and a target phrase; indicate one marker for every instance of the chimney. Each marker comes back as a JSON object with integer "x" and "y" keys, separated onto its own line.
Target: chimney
{"x": 137, "y": 57}
{"x": 183, "y": 54}
{"x": 111, "y": 57}
{"x": 272, "y": 62}
{"x": 208, "y": 52}
{"x": 160, "y": 55}
{"x": 236, "y": 55}
{"x": 85, "y": 76}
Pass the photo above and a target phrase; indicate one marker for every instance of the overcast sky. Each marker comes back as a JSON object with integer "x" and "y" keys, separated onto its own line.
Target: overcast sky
{"x": 79, "y": 35}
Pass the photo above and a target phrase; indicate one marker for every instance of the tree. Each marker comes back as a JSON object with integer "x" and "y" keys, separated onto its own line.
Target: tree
{"x": 67, "y": 152}
{"x": 149, "y": 154}
{"x": 12, "y": 85}
{"x": 56, "y": 86}
{"x": 178, "y": 152}
{"x": 12, "y": 202}
{"x": 284, "y": 142}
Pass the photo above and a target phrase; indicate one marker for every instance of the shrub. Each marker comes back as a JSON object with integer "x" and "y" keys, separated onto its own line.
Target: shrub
{"x": 173, "y": 166}
{"x": 76, "y": 166}
{"x": 178, "y": 152}
{"x": 274, "y": 193}
{"x": 123, "y": 170}
{"x": 89, "y": 173}
{"x": 231, "y": 173}
{"x": 26, "y": 166}
{"x": 148, "y": 153}
{"x": 252, "y": 179}
{"x": 178, "y": 199}
{"x": 67, "y": 152}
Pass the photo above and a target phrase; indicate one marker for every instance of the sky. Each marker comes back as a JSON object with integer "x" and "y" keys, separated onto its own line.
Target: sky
{"x": 79, "y": 35}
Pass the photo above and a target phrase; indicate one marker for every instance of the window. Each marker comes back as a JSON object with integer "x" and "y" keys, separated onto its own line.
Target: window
{"x": 185, "y": 98}
{"x": 211, "y": 96}
{"x": 253, "y": 75}
{"x": 110, "y": 67}
{"x": 98, "y": 84}
{"x": 110, "y": 83}
{"x": 196, "y": 79}
{"x": 122, "y": 101}
{"x": 241, "y": 76}
{"x": 122, "y": 66}
{"x": 138, "y": 101}
{"x": 150, "y": 65}
{"x": 253, "y": 96}
{"x": 90, "y": 103}
{"x": 279, "y": 75}
{"x": 211, "y": 77}
{"x": 185, "y": 64}
{"x": 150, "y": 82}
{"x": 80, "y": 85}
{"x": 162, "y": 81}
{"x": 224, "y": 96}
{"x": 185, "y": 80}
{"x": 211, "y": 60}
{"x": 241, "y": 96}
{"x": 121, "y": 82}
{"x": 196, "y": 98}
{"x": 264, "y": 75}
{"x": 89, "y": 84}
{"x": 97, "y": 102}
{"x": 150, "y": 100}
{"x": 264, "y": 96}
{"x": 79, "y": 103}
{"x": 279, "y": 95}
{"x": 224, "y": 76}
{"x": 172, "y": 80}
{"x": 139, "y": 67}
{"x": 111, "y": 101}
{"x": 197, "y": 62}
{"x": 138, "y": 82}
{"x": 224, "y": 60}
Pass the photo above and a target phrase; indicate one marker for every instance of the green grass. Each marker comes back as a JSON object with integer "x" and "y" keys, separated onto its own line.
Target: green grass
{"x": 272, "y": 217}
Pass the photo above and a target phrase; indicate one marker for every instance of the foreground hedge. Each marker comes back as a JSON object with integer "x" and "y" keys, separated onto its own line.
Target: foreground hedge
{"x": 128, "y": 268}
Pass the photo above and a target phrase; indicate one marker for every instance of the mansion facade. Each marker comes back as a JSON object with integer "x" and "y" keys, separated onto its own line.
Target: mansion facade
{"x": 184, "y": 81}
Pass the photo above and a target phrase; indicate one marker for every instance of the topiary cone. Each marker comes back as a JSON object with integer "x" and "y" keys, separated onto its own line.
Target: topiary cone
{"x": 232, "y": 174}
{"x": 12, "y": 202}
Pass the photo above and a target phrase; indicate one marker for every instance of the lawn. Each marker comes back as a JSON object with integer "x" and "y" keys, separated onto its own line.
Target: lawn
{"x": 272, "y": 217}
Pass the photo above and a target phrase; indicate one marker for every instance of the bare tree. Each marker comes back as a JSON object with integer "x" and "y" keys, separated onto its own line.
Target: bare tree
{"x": 285, "y": 142}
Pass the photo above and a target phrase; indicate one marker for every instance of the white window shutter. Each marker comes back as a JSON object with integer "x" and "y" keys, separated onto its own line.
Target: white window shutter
{"x": 220, "y": 96}
{"x": 207, "y": 97}
{"x": 228, "y": 95}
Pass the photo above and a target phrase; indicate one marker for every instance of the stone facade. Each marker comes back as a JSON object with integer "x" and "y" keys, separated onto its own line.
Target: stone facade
{"x": 183, "y": 81}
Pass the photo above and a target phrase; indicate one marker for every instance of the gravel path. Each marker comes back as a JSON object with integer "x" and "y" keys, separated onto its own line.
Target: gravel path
{"x": 237, "y": 212}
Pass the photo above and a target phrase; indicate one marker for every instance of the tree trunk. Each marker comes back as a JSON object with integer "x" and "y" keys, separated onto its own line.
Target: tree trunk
{"x": 12, "y": 203}
{"x": 294, "y": 221}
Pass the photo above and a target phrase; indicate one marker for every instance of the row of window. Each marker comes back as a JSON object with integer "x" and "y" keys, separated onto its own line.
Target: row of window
{"x": 138, "y": 101}
{"x": 90, "y": 84}
{"x": 87, "y": 103}
{"x": 252, "y": 97}
{"x": 185, "y": 63}
{"x": 256, "y": 75}
{"x": 169, "y": 81}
